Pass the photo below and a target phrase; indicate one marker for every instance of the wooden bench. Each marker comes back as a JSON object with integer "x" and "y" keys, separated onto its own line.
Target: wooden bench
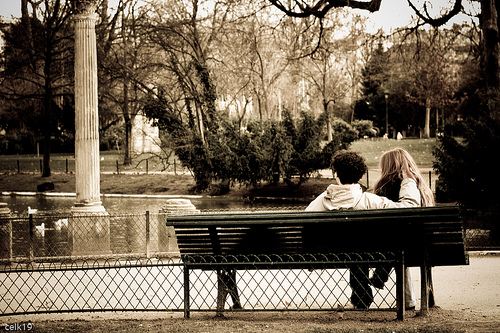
{"x": 226, "y": 242}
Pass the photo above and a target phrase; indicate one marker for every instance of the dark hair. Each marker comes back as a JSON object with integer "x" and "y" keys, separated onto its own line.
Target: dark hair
{"x": 349, "y": 166}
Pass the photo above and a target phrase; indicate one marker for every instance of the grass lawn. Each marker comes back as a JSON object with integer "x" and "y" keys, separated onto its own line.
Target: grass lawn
{"x": 112, "y": 161}
{"x": 136, "y": 181}
{"x": 419, "y": 149}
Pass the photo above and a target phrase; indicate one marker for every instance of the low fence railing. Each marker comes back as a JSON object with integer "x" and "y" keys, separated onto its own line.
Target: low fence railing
{"x": 49, "y": 263}
{"x": 56, "y": 237}
{"x": 157, "y": 285}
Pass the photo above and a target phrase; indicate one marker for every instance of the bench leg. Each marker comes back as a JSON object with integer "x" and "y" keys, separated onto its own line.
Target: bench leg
{"x": 233, "y": 289}
{"x": 400, "y": 288}
{"x": 226, "y": 284}
{"x": 427, "y": 290}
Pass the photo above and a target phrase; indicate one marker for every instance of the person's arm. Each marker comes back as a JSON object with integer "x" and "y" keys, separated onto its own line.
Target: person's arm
{"x": 409, "y": 197}
{"x": 317, "y": 204}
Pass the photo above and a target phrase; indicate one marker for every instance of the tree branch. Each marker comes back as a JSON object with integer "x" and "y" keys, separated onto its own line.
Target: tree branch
{"x": 436, "y": 22}
{"x": 298, "y": 8}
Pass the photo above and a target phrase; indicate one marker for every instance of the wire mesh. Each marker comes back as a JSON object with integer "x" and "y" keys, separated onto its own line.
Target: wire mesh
{"x": 267, "y": 289}
{"x": 157, "y": 284}
{"x": 482, "y": 229}
{"x": 40, "y": 271}
{"x": 91, "y": 285}
{"x": 53, "y": 237}
{"x": 281, "y": 282}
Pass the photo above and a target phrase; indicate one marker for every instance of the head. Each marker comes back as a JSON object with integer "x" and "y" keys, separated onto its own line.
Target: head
{"x": 349, "y": 166}
{"x": 398, "y": 164}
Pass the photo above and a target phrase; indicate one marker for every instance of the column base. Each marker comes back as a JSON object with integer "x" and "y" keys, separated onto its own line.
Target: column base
{"x": 89, "y": 230}
{"x": 166, "y": 235}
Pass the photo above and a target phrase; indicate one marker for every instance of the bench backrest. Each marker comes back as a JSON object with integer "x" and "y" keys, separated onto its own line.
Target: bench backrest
{"x": 435, "y": 231}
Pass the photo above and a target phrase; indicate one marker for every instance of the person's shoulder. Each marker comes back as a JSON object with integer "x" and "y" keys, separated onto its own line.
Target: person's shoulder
{"x": 407, "y": 181}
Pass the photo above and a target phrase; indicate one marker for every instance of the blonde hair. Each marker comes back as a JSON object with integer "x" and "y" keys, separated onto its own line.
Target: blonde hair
{"x": 398, "y": 164}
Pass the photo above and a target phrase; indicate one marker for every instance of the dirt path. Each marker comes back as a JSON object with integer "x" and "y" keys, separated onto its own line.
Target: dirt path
{"x": 474, "y": 288}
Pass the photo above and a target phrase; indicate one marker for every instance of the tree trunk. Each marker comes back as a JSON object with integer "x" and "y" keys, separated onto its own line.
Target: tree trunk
{"x": 427, "y": 128}
{"x": 47, "y": 112}
{"x": 127, "y": 160}
{"x": 46, "y": 155}
{"x": 329, "y": 131}
{"x": 491, "y": 54}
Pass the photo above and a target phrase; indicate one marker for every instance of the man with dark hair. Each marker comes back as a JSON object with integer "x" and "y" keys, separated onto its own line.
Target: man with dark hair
{"x": 349, "y": 167}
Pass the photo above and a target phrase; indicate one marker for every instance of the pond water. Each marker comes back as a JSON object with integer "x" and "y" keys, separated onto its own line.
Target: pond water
{"x": 134, "y": 204}
{"x": 127, "y": 223}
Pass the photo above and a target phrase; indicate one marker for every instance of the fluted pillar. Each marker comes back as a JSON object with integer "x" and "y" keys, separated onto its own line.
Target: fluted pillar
{"x": 89, "y": 227}
{"x": 86, "y": 110}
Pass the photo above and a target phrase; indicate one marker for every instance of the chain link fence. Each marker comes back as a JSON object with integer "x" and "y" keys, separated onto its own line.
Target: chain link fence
{"x": 129, "y": 262}
{"x": 157, "y": 285}
{"x": 56, "y": 237}
{"x": 482, "y": 229}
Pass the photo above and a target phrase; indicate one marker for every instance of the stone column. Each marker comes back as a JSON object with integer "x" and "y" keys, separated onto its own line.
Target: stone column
{"x": 5, "y": 232}
{"x": 89, "y": 235}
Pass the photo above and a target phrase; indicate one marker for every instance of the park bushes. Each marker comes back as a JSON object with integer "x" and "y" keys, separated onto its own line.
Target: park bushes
{"x": 263, "y": 151}
{"x": 468, "y": 167}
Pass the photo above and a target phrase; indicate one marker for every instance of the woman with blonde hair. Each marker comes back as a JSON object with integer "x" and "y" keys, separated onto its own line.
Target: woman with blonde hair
{"x": 397, "y": 165}
{"x": 399, "y": 173}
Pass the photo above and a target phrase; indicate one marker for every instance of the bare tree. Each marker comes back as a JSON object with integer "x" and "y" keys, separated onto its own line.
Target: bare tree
{"x": 489, "y": 22}
{"x": 38, "y": 70}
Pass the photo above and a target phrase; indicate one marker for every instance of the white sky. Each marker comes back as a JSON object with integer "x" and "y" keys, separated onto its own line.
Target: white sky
{"x": 392, "y": 14}
{"x": 397, "y": 13}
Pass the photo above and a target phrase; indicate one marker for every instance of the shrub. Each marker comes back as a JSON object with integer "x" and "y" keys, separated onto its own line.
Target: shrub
{"x": 468, "y": 169}
{"x": 304, "y": 136}
{"x": 364, "y": 128}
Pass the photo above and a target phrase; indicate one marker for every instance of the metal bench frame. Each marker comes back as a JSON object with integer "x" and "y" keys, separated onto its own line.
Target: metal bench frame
{"x": 419, "y": 237}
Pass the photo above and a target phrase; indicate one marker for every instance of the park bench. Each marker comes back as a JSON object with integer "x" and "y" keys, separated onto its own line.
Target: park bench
{"x": 403, "y": 237}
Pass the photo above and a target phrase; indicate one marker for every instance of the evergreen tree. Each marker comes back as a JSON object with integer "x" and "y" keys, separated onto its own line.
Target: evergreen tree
{"x": 375, "y": 74}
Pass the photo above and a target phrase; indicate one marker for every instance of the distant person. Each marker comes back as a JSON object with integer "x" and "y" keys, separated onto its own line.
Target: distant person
{"x": 399, "y": 137}
{"x": 348, "y": 167}
{"x": 398, "y": 169}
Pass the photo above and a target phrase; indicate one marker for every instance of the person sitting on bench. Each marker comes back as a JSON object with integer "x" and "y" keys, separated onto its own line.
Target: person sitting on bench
{"x": 397, "y": 165}
{"x": 349, "y": 167}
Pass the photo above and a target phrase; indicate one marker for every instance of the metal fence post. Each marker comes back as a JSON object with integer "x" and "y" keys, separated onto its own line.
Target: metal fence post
{"x": 186, "y": 291}
{"x": 430, "y": 179}
{"x": 31, "y": 254}
{"x": 148, "y": 236}
{"x": 5, "y": 232}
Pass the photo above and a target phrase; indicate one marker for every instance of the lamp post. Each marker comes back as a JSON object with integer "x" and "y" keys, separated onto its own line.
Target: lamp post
{"x": 386, "y": 94}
